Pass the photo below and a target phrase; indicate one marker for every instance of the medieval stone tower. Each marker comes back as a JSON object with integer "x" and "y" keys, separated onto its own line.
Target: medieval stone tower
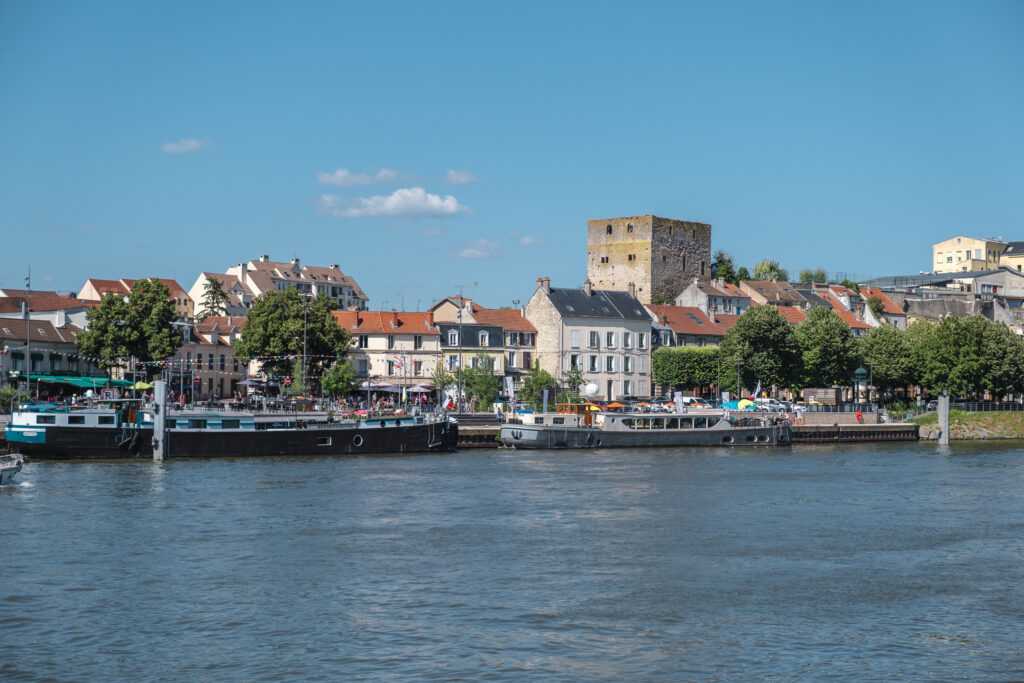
{"x": 661, "y": 256}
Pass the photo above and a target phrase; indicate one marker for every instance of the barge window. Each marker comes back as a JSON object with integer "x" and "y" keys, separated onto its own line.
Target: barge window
{"x": 686, "y": 423}
{"x": 106, "y": 419}
{"x": 538, "y": 420}
{"x": 700, "y": 422}
{"x": 229, "y": 424}
{"x": 197, "y": 424}
{"x": 672, "y": 423}
{"x": 323, "y": 441}
{"x": 76, "y": 419}
{"x": 643, "y": 423}
{"x": 712, "y": 421}
{"x": 46, "y": 419}
{"x": 558, "y": 420}
{"x": 171, "y": 424}
{"x": 628, "y": 422}
{"x": 658, "y": 423}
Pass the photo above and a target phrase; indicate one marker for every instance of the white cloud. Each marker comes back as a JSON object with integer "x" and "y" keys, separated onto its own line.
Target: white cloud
{"x": 531, "y": 241}
{"x": 479, "y": 250}
{"x": 407, "y": 202}
{"x": 346, "y": 178}
{"x": 460, "y": 177}
{"x": 184, "y": 146}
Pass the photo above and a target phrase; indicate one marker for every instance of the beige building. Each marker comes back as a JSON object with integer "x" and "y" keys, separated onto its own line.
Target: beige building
{"x": 244, "y": 282}
{"x": 399, "y": 347}
{"x": 1013, "y": 256}
{"x": 606, "y": 334}
{"x": 961, "y": 253}
{"x": 660, "y": 256}
{"x": 95, "y": 289}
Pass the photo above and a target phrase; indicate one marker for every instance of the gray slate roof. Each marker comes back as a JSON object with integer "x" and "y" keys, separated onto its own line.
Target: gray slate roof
{"x": 602, "y": 303}
{"x": 1014, "y": 248}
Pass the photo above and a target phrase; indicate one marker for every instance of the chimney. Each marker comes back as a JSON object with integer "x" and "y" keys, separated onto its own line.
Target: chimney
{"x": 547, "y": 285}
{"x": 394, "y": 318}
{"x": 264, "y": 258}
{"x": 335, "y": 266}
{"x": 430, "y": 318}
{"x": 663, "y": 319}
{"x": 631, "y": 288}
{"x": 295, "y": 262}
{"x": 711, "y": 315}
{"x": 587, "y": 287}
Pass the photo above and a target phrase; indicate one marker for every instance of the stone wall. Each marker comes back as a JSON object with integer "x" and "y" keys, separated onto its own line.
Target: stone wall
{"x": 661, "y": 256}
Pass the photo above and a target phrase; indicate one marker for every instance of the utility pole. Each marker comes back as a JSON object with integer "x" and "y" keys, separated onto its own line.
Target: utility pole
{"x": 28, "y": 337}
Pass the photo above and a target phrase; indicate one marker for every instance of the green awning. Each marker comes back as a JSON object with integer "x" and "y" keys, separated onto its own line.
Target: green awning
{"x": 89, "y": 382}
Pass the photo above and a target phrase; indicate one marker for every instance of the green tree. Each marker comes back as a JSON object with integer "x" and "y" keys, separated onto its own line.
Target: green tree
{"x": 876, "y": 306}
{"x": 573, "y": 379}
{"x": 534, "y": 384}
{"x": 888, "y": 351}
{"x": 722, "y": 266}
{"x": 214, "y": 298}
{"x": 742, "y": 274}
{"x": 827, "y": 348}
{"x": 764, "y": 346}
{"x": 684, "y": 367}
{"x": 139, "y": 327}
{"x": 274, "y": 330}
{"x": 768, "y": 269}
{"x": 340, "y": 379}
{"x": 442, "y": 379}
{"x": 820, "y": 276}
{"x": 806, "y": 276}
{"x": 850, "y": 284}
{"x": 480, "y": 380}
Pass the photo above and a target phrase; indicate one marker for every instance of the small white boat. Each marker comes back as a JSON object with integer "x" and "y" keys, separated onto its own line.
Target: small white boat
{"x": 10, "y": 465}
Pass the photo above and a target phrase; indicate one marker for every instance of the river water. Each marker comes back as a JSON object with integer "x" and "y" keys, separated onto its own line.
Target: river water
{"x": 854, "y": 562}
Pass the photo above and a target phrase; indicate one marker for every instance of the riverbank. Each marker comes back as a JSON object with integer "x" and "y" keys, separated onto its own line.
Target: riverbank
{"x": 974, "y": 426}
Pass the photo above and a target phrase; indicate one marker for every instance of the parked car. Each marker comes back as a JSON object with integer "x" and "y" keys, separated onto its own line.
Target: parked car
{"x": 770, "y": 405}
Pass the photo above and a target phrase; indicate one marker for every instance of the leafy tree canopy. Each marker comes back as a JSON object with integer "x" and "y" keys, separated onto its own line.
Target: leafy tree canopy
{"x": 768, "y": 269}
{"x": 139, "y": 327}
{"x": 274, "y": 330}
{"x": 686, "y": 366}
{"x": 340, "y": 379}
{"x": 722, "y": 266}
{"x": 888, "y": 352}
{"x": 967, "y": 356}
{"x": 742, "y": 273}
{"x": 534, "y": 384}
{"x": 765, "y": 346}
{"x": 850, "y": 284}
{"x": 827, "y": 348}
{"x": 480, "y": 380}
{"x": 876, "y": 306}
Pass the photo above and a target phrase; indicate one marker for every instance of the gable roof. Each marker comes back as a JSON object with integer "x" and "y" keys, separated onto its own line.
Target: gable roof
{"x": 778, "y": 293}
{"x": 223, "y": 323}
{"x": 849, "y": 318}
{"x": 42, "y": 331}
{"x": 889, "y": 307}
{"x": 505, "y": 318}
{"x": 722, "y": 289}
{"x": 686, "y": 320}
{"x": 792, "y": 314}
{"x": 600, "y": 303}
{"x": 42, "y": 301}
{"x": 383, "y": 322}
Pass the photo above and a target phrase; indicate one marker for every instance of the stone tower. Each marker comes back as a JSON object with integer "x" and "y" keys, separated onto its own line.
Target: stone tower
{"x": 660, "y": 256}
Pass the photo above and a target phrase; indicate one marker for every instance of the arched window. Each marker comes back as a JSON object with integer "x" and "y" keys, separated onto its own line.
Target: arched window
{"x": 608, "y": 229}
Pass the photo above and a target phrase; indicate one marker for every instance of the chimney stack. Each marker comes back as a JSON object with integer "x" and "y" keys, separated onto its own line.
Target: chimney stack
{"x": 264, "y": 258}
{"x": 547, "y": 285}
{"x": 394, "y": 318}
{"x": 430, "y": 318}
{"x": 631, "y": 288}
{"x": 711, "y": 315}
{"x": 587, "y": 287}
{"x": 295, "y": 261}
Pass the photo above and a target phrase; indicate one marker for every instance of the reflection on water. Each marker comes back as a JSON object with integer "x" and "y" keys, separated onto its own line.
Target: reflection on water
{"x": 857, "y": 562}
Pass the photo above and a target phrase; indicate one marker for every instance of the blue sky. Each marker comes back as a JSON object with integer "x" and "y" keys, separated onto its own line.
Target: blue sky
{"x": 428, "y": 146}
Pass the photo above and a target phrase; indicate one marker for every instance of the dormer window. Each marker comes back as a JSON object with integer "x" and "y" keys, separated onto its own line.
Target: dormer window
{"x": 483, "y": 339}
{"x": 453, "y": 338}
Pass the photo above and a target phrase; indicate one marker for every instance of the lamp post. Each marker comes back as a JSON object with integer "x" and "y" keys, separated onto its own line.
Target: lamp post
{"x": 860, "y": 376}
{"x": 459, "y": 397}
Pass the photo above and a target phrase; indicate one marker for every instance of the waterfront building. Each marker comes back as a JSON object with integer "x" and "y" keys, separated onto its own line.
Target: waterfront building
{"x": 47, "y": 353}
{"x": 58, "y": 309}
{"x": 400, "y": 347}
{"x": 604, "y": 333}
{"x": 205, "y": 365}
{"x": 1013, "y": 256}
{"x": 772, "y": 293}
{"x": 658, "y": 255}
{"x": 686, "y": 326}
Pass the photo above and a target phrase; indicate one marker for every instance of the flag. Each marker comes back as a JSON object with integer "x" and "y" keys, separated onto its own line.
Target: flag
{"x": 757, "y": 391}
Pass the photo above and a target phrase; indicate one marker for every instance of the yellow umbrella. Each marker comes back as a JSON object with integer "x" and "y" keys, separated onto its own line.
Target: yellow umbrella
{"x": 745, "y": 403}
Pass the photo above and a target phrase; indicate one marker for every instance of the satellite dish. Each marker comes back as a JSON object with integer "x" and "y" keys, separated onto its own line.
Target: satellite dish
{"x": 590, "y": 389}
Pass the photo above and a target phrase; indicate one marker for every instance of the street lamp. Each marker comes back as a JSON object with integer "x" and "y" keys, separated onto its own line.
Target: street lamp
{"x": 860, "y": 376}
{"x": 459, "y": 397}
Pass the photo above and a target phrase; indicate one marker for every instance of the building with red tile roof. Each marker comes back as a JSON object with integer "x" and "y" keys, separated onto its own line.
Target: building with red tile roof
{"x": 717, "y": 295}
{"x": 792, "y": 314}
{"x": 855, "y": 321}
{"x": 772, "y": 293}
{"x": 689, "y": 325}
{"x": 891, "y": 312}
{"x": 399, "y": 346}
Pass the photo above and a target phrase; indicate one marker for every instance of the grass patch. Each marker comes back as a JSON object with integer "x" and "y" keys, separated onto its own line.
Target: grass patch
{"x": 989, "y": 425}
